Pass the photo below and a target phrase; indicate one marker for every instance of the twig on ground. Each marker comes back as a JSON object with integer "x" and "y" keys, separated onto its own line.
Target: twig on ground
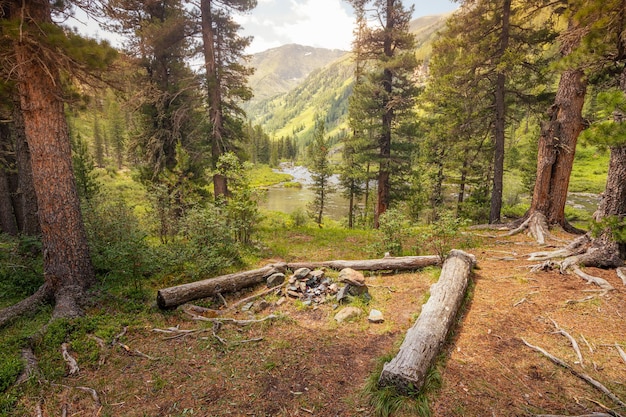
{"x": 519, "y": 302}
{"x": 580, "y": 375}
{"x": 604, "y": 407}
{"x": 587, "y": 343}
{"x": 231, "y": 320}
{"x": 253, "y": 297}
{"x": 582, "y": 300}
{"x": 571, "y": 340}
{"x": 621, "y": 352}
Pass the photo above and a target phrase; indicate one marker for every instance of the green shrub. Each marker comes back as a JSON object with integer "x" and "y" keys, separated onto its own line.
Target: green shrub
{"x": 21, "y": 267}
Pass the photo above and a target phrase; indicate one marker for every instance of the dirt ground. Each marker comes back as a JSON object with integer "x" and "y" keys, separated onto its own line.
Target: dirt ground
{"x": 305, "y": 364}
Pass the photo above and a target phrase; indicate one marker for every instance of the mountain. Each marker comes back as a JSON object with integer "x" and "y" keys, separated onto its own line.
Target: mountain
{"x": 294, "y": 84}
{"x": 278, "y": 70}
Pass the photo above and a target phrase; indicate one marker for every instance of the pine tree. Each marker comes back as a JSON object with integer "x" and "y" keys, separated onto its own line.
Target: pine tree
{"x": 321, "y": 171}
{"x": 385, "y": 97}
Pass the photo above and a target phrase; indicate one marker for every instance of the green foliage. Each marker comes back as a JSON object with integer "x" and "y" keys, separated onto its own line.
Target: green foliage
{"x": 616, "y": 225}
{"x": 87, "y": 183}
{"x": 298, "y": 217}
{"x": 439, "y": 237}
{"x": 118, "y": 242}
{"x": 21, "y": 267}
{"x": 207, "y": 244}
{"x": 241, "y": 207}
{"x": 10, "y": 368}
{"x": 321, "y": 171}
{"x": 393, "y": 230}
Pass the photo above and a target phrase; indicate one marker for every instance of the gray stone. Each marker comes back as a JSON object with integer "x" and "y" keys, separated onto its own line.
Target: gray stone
{"x": 333, "y": 288}
{"x": 342, "y": 295}
{"x": 375, "y": 316}
{"x": 318, "y": 273}
{"x": 301, "y": 273}
{"x": 356, "y": 290}
{"x": 247, "y": 306}
{"x": 281, "y": 301}
{"x": 347, "y": 313}
{"x": 350, "y": 276}
{"x": 275, "y": 280}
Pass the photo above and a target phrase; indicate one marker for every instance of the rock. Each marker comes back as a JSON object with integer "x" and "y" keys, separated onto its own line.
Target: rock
{"x": 333, "y": 288}
{"x": 247, "y": 306}
{"x": 342, "y": 294}
{"x": 350, "y": 276}
{"x": 375, "y": 316}
{"x": 347, "y": 313}
{"x": 281, "y": 301}
{"x": 294, "y": 294}
{"x": 318, "y": 274}
{"x": 275, "y": 280}
{"x": 301, "y": 273}
{"x": 262, "y": 305}
{"x": 355, "y": 290}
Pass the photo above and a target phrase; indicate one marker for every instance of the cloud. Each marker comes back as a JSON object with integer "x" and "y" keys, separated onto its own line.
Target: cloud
{"x": 319, "y": 23}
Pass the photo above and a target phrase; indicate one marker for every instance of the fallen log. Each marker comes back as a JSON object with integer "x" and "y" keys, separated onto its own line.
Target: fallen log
{"x": 180, "y": 294}
{"x": 407, "y": 370}
{"x": 401, "y": 263}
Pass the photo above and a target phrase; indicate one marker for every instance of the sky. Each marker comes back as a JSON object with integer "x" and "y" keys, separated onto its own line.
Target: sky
{"x": 319, "y": 23}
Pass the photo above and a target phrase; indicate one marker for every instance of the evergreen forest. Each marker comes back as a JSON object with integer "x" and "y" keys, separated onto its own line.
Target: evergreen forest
{"x": 129, "y": 171}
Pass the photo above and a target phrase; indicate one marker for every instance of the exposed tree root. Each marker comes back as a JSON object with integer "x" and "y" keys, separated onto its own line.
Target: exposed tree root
{"x": 597, "y": 385}
{"x": 8, "y": 314}
{"x": 537, "y": 226}
{"x": 621, "y": 273}
{"x": 569, "y": 337}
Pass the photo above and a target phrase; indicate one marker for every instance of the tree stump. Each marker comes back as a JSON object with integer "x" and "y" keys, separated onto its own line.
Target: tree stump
{"x": 423, "y": 341}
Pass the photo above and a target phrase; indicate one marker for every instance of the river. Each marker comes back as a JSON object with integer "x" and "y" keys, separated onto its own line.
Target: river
{"x": 290, "y": 199}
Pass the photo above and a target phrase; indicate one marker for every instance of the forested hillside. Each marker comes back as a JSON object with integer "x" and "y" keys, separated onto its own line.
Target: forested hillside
{"x": 287, "y": 103}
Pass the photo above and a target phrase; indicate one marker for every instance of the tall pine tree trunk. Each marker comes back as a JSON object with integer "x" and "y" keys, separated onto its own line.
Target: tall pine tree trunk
{"x": 500, "y": 120}
{"x": 213, "y": 95}
{"x": 557, "y": 147}
{"x": 68, "y": 271}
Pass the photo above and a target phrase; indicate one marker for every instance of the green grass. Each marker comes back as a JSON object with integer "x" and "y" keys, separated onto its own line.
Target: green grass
{"x": 590, "y": 170}
{"x": 263, "y": 176}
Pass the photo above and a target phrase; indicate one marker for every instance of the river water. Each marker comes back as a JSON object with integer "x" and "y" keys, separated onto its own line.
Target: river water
{"x": 290, "y": 199}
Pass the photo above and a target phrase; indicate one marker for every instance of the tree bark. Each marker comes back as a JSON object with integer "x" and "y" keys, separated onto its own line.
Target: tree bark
{"x": 605, "y": 252}
{"x": 67, "y": 264}
{"x": 180, "y": 294}
{"x": 220, "y": 187}
{"x": 8, "y": 224}
{"x": 404, "y": 263}
{"x": 500, "y": 120}
{"x": 26, "y": 199}
{"x": 557, "y": 146}
{"x": 408, "y": 370}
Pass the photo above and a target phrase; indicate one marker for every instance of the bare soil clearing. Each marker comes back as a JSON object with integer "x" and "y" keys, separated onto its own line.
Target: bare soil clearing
{"x": 306, "y": 364}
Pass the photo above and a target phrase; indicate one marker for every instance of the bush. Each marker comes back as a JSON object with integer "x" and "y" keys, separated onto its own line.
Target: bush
{"x": 393, "y": 230}
{"x": 441, "y": 235}
{"x": 207, "y": 242}
{"x": 21, "y": 267}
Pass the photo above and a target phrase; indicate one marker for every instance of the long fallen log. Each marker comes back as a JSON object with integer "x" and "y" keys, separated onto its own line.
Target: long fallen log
{"x": 180, "y": 294}
{"x": 401, "y": 263}
{"x": 407, "y": 370}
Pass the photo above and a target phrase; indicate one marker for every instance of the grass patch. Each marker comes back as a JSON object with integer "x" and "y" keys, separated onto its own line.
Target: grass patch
{"x": 264, "y": 176}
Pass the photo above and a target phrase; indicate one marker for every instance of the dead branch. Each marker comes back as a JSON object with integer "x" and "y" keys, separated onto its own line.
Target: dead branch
{"x": 587, "y": 343}
{"x": 582, "y": 300}
{"x": 571, "y": 340}
{"x": 71, "y": 362}
{"x": 546, "y": 255}
{"x": 580, "y": 375}
{"x": 252, "y": 297}
{"x": 231, "y": 320}
{"x": 621, "y": 352}
{"x": 621, "y": 273}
